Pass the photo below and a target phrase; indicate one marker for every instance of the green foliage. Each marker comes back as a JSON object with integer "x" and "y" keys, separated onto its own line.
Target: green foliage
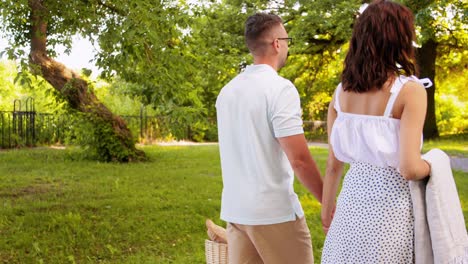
{"x": 96, "y": 139}
{"x": 444, "y": 21}
{"x": 119, "y": 97}
{"x": 216, "y": 38}
{"x": 452, "y": 114}
{"x": 98, "y": 136}
{"x": 105, "y": 146}
{"x": 321, "y": 30}
{"x": 451, "y": 98}
{"x": 173, "y": 57}
{"x": 95, "y": 135}
{"x": 320, "y": 26}
{"x": 151, "y": 38}
{"x": 22, "y": 85}
{"x": 316, "y": 77}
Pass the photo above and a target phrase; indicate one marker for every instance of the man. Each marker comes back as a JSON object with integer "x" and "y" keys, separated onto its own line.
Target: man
{"x": 260, "y": 129}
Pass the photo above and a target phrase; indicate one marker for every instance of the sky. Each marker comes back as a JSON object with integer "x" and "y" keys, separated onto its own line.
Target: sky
{"x": 81, "y": 56}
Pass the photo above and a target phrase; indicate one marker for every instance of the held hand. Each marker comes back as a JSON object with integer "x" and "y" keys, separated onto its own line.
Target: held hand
{"x": 327, "y": 218}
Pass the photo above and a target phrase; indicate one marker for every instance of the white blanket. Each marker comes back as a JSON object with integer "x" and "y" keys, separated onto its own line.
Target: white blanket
{"x": 440, "y": 231}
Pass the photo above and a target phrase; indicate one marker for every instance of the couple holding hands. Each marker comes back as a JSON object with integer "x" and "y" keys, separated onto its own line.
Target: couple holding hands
{"x": 375, "y": 122}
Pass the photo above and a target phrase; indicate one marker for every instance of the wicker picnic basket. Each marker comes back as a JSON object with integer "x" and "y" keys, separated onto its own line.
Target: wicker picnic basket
{"x": 216, "y": 253}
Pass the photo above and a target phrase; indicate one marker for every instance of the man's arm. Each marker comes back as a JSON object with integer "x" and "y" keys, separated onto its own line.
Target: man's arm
{"x": 302, "y": 163}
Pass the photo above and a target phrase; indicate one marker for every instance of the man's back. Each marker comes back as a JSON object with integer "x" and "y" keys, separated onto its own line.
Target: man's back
{"x": 253, "y": 110}
{"x": 261, "y": 142}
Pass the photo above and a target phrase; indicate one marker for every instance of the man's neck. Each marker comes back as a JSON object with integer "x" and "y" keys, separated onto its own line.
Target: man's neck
{"x": 267, "y": 61}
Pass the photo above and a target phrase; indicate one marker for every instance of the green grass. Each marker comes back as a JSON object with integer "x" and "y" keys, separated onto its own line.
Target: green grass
{"x": 453, "y": 144}
{"x": 54, "y": 209}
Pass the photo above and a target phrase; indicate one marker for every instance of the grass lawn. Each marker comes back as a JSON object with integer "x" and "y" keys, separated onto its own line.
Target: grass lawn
{"x": 54, "y": 209}
{"x": 456, "y": 145}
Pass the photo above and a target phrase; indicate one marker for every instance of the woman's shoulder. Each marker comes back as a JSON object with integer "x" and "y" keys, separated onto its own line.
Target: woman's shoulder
{"x": 413, "y": 96}
{"x": 413, "y": 88}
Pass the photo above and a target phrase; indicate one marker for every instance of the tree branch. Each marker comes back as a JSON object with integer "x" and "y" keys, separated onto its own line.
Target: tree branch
{"x": 108, "y": 6}
{"x": 112, "y": 8}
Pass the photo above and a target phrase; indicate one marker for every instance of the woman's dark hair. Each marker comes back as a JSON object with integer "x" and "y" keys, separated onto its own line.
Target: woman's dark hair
{"x": 380, "y": 48}
{"x": 255, "y": 28}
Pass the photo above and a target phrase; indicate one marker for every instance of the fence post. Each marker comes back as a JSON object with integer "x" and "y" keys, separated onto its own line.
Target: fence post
{"x": 17, "y": 120}
{"x": 30, "y": 121}
{"x": 3, "y": 131}
{"x": 141, "y": 121}
{"x": 9, "y": 136}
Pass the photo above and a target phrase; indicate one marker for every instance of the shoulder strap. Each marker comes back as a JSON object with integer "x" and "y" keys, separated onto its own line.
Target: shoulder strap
{"x": 395, "y": 90}
{"x": 337, "y": 98}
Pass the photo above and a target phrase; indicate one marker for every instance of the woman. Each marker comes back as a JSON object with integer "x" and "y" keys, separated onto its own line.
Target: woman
{"x": 375, "y": 123}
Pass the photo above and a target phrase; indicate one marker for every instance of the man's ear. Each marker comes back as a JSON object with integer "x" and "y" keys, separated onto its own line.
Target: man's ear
{"x": 276, "y": 45}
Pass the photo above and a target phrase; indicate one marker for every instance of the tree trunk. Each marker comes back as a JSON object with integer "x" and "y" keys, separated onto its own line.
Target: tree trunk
{"x": 119, "y": 144}
{"x": 426, "y": 59}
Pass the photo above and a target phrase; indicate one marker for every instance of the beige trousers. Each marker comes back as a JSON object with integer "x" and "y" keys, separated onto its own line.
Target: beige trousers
{"x": 282, "y": 243}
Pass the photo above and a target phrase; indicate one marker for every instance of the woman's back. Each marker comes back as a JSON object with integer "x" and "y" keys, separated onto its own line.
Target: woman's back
{"x": 375, "y": 124}
{"x": 373, "y": 220}
{"x": 367, "y": 126}
{"x": 368, "y": 103}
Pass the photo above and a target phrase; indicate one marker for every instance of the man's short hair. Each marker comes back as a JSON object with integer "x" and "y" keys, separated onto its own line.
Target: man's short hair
{"x": 256, "y": 27}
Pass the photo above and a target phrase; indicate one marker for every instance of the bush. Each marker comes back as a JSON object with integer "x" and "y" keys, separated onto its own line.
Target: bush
{"x": 451, "y": 114}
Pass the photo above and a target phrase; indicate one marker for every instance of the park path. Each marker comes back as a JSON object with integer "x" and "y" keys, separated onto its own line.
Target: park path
{"x": 459, "y": 163}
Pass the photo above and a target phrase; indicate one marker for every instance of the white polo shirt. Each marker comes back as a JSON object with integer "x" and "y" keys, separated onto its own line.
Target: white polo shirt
{"x": 253, "y": 110}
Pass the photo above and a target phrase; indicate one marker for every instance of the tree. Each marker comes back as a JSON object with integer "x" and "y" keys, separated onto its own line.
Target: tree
{"x": 442, "y": 26}
{"x": 43, "y": 24}
{"x": 321, "y": 30}
{"x": 324, "y": 27}
{"x": 175, "y": 56}
{"x": 138, "y": 41}
{"x": 217, "y": 36}
{"x": 217, "y": 39}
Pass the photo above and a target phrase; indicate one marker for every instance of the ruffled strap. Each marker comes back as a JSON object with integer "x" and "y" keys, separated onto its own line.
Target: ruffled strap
{"x": 396, "y": 88}
{"x": 337, "y": 98}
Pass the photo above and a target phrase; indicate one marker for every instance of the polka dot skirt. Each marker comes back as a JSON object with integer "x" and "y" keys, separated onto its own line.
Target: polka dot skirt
{"x": 373, "y": 222}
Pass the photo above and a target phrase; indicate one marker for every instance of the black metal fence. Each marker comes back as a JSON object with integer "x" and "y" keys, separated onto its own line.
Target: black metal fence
{"x": 24, "y": 127}
{"x": 18, "y": 127}
{"x": 148, "y": 129}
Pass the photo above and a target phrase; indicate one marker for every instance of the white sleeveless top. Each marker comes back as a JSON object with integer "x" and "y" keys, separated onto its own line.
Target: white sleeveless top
{"x": 368, "y": 138}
